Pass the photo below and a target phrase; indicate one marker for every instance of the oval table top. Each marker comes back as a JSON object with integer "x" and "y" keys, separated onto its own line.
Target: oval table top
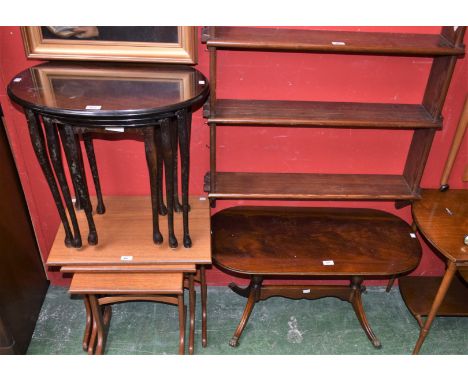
{"x": 71, "y": 89}
{"x": 442, "y": 217}
{"x": 310, "y": 241}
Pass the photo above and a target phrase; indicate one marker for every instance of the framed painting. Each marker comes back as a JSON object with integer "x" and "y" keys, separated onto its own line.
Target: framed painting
{"x": 168, "y": 44}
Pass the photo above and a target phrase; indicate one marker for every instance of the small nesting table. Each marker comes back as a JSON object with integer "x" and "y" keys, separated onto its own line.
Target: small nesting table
{"x": 127, "y": 266}
{"x": 442, "y": 219}
{"x": 306, "y": 242}
{"x": 100, "y": 290}
{"x": 65, "y": 100}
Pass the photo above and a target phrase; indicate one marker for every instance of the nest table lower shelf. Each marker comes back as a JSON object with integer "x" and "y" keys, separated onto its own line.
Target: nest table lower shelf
{"x": 101, "y": 290}
{"x": 297, "y": 242}
{"x": 126, "y": 252}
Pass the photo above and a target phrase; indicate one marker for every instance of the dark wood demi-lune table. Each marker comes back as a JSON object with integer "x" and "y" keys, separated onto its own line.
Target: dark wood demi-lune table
{"x": 66, "y": 100}
{"x": 442, "y": 219}
{"x": 311, "y": 242}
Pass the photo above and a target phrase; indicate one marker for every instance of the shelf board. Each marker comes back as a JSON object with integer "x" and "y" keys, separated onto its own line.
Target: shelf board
{"x": 322, "y": 114}
{"x": 419, "y": 293}
{"x": 281, "y": 186}
{"x": 275, "y": 39}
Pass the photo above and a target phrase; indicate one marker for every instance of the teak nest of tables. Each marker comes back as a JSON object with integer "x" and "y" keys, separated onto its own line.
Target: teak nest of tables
{"x": 282, "y": 242}
{"x": 127, "y": 266}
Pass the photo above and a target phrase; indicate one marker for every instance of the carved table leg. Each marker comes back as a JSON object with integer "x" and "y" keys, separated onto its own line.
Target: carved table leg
{"x": 182, "y": 314}
{"x": 192, "y": 314}
{"x": 177, "y": 205}
{"x": 77, "y": 171}
{"x": 184, "y": 137}
{"x": 78, "y": 202}
{"x": 55, "y": 154}
{"x": 150, "y": 150}
{"x": 203, "y": 305}
{"x": 88, "y": 141}
{"x": 89, "y": 323}
{"x": 254, "y": 295}
{"x": 167, "y": 140}
{"x": 439, "y": 298}
{"x": 81, "y": 162}
{"x": 159, "y": 164}
{"x": 37, "y": 139}
{"x": 356, "y": 301}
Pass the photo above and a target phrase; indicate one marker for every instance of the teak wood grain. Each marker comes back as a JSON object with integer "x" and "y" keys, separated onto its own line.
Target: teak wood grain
{"x": 126, "y": 230}
{"x": 322, "y": 114}
{"x": 442, "y": 217}
{"x": 127, "y": 283}
{"x": 294, "y": 241}
{"x": 130, "y": 268}
{"x": 404, "y": 44}
{"x": 297, "y": 186}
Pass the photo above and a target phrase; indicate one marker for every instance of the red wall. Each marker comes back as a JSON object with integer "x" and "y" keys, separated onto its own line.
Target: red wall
{"x": 261, "y": 75}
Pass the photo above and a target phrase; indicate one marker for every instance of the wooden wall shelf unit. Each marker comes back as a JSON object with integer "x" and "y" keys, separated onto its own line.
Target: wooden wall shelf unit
{"x": 424, "y": 119}
{"x": 267, "y": 242}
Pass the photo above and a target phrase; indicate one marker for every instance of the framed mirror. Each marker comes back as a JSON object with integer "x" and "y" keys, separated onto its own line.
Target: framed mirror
{"x": 168, "y": 44}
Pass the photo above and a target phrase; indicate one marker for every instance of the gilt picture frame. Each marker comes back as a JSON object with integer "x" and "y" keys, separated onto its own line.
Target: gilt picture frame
{"x": 182, "y": 50}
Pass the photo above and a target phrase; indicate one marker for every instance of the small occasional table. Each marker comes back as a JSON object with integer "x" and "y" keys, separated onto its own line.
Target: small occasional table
{"x": 442, "y": 218}
{"x": 66, "y": 100}
{"x": 297, "y": 242}
{"x": 136, "y": 268}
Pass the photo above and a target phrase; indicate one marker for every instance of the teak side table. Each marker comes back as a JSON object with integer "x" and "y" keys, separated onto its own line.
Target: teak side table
{"x": 141, "y": 271}
{"x": 100, "y": 290}
{"x": 275, "y": 245}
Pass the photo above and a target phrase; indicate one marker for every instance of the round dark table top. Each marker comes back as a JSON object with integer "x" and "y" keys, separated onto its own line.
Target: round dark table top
{"x": 113, "y": 90}
{"x": 442, "y": 217}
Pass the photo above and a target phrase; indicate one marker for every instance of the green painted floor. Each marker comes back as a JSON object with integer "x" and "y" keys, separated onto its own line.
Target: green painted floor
{"x": 276, "y": 326}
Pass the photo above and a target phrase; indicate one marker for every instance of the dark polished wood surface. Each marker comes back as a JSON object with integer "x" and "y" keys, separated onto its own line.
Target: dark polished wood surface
{"x": 297, "y": 186}
{"x": 66, "y": 100}
{"x": 419, "y": 293}
{"x": 67, "y": 89}
{"x": 333, "y": 41}
{"x": 329, "y": 114}
{"x": 295, "y": 241}
{"x": 442, "y": 217}
{"x": 424, "y": 118}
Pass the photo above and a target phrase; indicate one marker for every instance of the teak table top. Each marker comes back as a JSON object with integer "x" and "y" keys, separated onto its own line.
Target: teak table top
{"x": 298, "y": 241}
{"x": 442, "y": 217}
{"x": 126, "y": 230}
{"x": 133, "y": 283}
